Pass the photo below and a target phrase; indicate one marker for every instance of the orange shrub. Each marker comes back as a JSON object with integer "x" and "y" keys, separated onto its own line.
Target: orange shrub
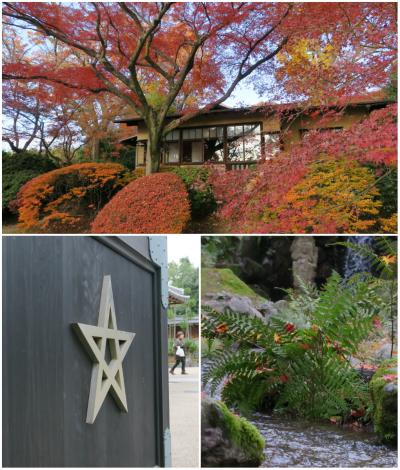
{"x": 67, "y": 199}
{"x": 138, "y": 172}
{"x": 157, "y": 203}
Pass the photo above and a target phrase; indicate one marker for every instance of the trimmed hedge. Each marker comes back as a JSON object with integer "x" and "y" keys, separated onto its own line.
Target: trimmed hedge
{"x": 156, "y": 203}
{"x": 66, "y": 200}
{"x": 18, "y": 168}
{"x": 201, "y": 195}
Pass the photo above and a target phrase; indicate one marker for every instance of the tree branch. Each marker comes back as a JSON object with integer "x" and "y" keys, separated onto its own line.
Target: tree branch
{"x": 240, "y": 76}
{"x": 7, "y": 76}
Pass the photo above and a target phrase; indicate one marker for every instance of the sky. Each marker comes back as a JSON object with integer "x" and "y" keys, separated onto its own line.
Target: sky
{"x": 181, "y": 246}
{"x": 244, "y": 95}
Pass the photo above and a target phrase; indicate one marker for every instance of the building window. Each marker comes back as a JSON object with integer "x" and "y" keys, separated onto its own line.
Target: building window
{"x": 192, "y": 146}
{"x": 174, "y": 135}
{"x": 272, "y": 144}
{"x": 244, "y": 142}
{"x": 171, "y": 152}
{"x": 214, "y": 150}
{"x": 208, "y": 144}
{"x": 192, "y": 151}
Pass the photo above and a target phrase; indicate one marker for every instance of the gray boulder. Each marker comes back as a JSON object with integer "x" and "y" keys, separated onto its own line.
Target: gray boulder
{"x": 228, "y": 440}
{"x": 384, "y": 352}
{"x": 268, "y": 309}
{"x": 222, "y": 301}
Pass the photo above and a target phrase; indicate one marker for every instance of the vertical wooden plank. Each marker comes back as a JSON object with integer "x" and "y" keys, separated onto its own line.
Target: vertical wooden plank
{"x": 122, "y": 439}
{"x": 34, "y": 356}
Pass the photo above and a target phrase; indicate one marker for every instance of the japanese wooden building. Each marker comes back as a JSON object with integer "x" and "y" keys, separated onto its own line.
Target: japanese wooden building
{"x": 239, "y": 137}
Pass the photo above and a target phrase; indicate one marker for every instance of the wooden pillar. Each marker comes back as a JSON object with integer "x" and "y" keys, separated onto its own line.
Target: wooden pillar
{"x": 225, "y": 147}
{"x": 180, "y": 146}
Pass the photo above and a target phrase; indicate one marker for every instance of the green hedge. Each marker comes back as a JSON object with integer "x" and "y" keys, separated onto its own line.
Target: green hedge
{"x": 18, "y": 168}
{"x": 201, "y": 195}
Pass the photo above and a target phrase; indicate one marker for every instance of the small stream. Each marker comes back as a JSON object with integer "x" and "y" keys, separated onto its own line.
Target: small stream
{"x": 298, "y": 443}
{"x": 294, "y": 443}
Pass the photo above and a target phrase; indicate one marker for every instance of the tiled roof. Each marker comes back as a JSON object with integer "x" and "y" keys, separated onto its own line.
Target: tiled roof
{"x": 177, "y": 295}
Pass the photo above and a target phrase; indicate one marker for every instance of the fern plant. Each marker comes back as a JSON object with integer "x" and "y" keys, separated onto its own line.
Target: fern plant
{"x": 307, "y": 363}
{"x": 385, "y": 265}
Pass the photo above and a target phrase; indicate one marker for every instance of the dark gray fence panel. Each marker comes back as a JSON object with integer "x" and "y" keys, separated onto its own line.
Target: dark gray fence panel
{"x": 51, "y": 282}
{"x": 32, "y": 352}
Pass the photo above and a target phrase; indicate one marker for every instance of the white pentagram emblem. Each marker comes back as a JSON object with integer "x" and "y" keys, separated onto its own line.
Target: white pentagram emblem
{"x": 105, "y": 376}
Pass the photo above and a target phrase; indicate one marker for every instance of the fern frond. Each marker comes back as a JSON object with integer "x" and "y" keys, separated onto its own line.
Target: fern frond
{"x": 237, "y": 326}
{"x": 239, "y": 364}
{"x": 385, "y": 245}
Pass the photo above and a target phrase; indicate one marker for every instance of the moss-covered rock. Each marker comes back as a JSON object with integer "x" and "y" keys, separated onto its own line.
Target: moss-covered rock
{"x": 218, "y": 280}
{"x": 383, "y": 387}
{"x": 228, "y": 440}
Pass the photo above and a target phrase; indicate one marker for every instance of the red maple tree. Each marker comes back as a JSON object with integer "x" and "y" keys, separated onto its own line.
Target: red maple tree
{"x": 255, "y": 201}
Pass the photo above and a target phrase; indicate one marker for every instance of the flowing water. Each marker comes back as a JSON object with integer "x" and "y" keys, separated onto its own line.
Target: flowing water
{"x": 294, "y": 443}
{"x": 355, "y": 262}
{"x": 297, "y": 443}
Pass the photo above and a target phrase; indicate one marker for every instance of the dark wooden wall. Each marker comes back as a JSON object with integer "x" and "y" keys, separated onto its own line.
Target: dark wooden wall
{"x": 49, "y": 283}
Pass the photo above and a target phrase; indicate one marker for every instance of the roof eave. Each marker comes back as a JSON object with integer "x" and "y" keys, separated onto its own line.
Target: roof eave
{"x": 261, "y": 109}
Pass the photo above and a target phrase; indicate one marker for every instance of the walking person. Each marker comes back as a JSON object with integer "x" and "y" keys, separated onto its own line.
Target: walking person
{"x": 179, "y": 353}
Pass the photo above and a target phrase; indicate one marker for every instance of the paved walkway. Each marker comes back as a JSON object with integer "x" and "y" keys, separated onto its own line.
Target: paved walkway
{"x": 184, "y": 417}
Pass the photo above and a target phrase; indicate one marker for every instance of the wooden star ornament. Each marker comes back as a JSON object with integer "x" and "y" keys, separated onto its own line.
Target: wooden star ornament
{"x": 106, "y": 376}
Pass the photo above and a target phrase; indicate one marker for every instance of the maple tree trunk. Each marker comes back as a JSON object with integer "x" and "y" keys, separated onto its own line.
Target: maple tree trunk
{"x": 96, "y": 150}
{"x": 154, "y": 151}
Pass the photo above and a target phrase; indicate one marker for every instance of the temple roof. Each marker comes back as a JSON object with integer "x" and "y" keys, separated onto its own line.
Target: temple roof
{"x": 176, "y": 296}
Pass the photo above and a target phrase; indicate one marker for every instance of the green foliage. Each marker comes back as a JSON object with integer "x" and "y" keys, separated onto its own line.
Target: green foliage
{"x": 259, "y": 393}
{"x": 171, "y": 349}
{"x": 300, "y": 307}
{"x": 18, "y": 168}
{"x": 345, "y": 312}
{"x": 126, "y": 156}
{"x": 109, "y": 151}
{"x": 385, "y": 401}
{"x": 244, "y": 434}
{"x": 218, "y": 280}
{"x": 242, "y": 365}
{"x": 307, "y": 362}
{"x": 156, "y": 98}
{"x": 391, "y": 88}
{"x": 383, "y": 260}
{"x": 225, "y": 325}
{"x": 170, "y": 313}
{"x": 208, "y": 347}
{"x": 382, "y": 257}
{"x": 215, "y": 248}
{"x": 321, "y": 384}
{"x": 185, "y": 276}
{"x": 191, "y": 346}
{"x": 201, "y": 195}
{"x": 386, "y": 184}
